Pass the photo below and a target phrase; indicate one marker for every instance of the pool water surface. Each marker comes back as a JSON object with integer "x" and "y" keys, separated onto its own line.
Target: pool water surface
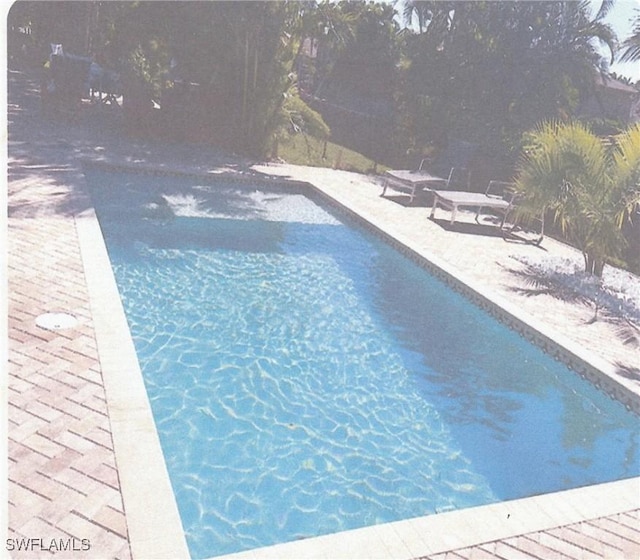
{"x": 306, "y": 378}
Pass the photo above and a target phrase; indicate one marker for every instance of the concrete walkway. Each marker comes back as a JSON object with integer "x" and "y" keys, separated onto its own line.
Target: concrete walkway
{"x": 64, "y": 482}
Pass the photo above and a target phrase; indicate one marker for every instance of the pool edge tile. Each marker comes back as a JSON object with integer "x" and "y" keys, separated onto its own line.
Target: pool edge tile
{"x": 153, "y": 521}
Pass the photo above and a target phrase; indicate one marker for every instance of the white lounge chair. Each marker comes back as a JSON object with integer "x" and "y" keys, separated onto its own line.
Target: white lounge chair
{"x": 499, "y": 196}
{"x": 414, "y": 181}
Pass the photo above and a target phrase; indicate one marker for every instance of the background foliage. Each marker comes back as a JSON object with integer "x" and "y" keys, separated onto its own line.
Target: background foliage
{"x": 409, "y": 76}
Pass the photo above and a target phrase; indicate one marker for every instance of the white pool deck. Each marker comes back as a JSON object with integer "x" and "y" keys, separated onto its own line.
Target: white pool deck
{"x": 84, "y": 457}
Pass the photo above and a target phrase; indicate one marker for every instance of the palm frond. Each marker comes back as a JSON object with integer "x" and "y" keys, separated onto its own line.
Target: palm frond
{"x": 632, "y": 44}
{"x": 537, "y": 282}
{"x": 629, "y": 372}
{"x": 609, "y": 306}
{"x": 605, "y": 8}
{"x": 626, "y": 156}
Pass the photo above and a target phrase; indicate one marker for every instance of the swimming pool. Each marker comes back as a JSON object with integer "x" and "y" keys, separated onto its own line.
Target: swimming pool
{"x": 329, "y": 382}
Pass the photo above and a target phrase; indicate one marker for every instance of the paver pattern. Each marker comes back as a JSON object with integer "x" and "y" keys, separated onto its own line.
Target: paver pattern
{"x": 63, "y": 478}
{"x": 63, "y": 475}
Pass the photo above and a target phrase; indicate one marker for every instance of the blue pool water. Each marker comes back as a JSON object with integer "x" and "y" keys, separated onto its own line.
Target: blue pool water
{"x": 306, "y": 378}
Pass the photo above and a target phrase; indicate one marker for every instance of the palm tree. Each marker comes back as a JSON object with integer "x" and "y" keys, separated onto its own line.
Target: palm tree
{"x": 631, "y": 45}
{"x": 418, "y": 9}
{"x": 577, "y": 34}
{"x": 491, "y": 70}
{"x": 589, "y": 186}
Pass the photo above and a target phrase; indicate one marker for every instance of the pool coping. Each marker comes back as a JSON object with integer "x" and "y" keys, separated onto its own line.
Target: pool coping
{"x": 153, "y": 521}
{"x": 155, "y": 529}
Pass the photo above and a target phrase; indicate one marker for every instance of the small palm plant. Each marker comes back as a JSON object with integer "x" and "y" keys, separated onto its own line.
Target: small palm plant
{"x": 589, "y": 185}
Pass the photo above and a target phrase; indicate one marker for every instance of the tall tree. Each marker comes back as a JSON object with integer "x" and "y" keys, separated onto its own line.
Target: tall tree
{"x": 487, "y": 71}
{"x": 365, "y": 51}
{"x": 243, "y": 52}
{"x": 264, "y": 37}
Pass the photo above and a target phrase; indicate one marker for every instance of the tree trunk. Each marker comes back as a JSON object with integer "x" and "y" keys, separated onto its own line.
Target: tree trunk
{"x": 593, "y": 264}
{"x": 245, "y": 86}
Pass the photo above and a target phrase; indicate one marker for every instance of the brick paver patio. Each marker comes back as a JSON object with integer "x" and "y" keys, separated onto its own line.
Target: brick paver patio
{"x": 607, "y": 537}
{"x": 63, "y": 477}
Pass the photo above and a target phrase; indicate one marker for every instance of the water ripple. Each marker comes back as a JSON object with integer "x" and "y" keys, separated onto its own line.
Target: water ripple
{"x": 301, "y": 386}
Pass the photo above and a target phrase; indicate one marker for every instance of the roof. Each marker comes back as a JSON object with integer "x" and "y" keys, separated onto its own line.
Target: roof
{"x": 613, "y": 83}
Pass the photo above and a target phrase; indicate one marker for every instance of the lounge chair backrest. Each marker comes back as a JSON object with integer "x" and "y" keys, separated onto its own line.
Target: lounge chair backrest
{"x": 458, "y": 179}
{"x": 502, "y": 189}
